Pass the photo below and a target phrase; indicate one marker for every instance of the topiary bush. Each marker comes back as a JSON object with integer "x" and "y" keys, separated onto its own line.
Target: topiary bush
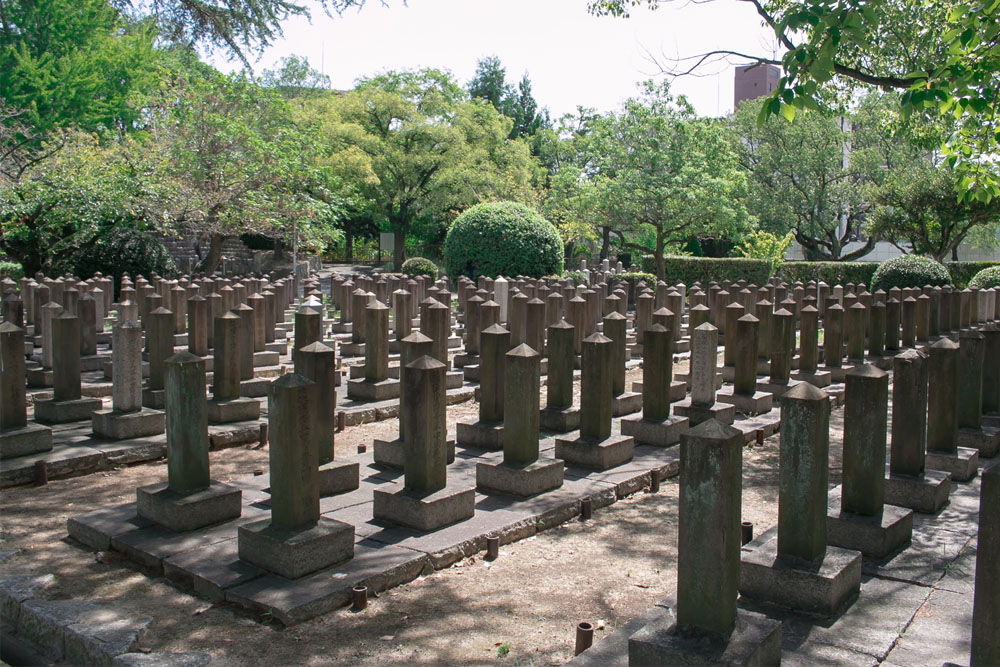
{"x": 11, "y": 270}
{"x": 578, "y": 278}
{"x": 419, "y": 266}
{"x": 987, "y": 278}
{"x": 909, "y": 271}
{"x": 122, "y": 250}
{"x": 502, "y": 238}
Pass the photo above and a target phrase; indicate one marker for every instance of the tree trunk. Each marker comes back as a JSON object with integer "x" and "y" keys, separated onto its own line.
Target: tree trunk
{"x": 954, "y": 253}
{"x": 210, "y": 263}
{"x": 399, "y": 253}
{"x": 605, "y": 242}
{"x": 279, "y": 247}
{"x": 349, "y": 241}
{"x": 660, "y": 268}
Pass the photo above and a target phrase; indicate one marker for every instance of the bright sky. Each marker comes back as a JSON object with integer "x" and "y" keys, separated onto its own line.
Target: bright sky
{"x": 572, "y": 58}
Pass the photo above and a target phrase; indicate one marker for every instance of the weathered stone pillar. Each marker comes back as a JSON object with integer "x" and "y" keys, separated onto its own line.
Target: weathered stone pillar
{"x": 245, "y": 313}
{"x": 596, "y": 387}
{"x": 296, "y": 540}
{"x": 833, "y": 336}
{"x": 67, "y": 403}
{"x": 259, "y": 319}
{"x": 991, "y": 369}
{"x": 708, "y": 533}
{"x": 986, "y": 603}
{"x": 576, "y": 315}
{"x": 198, "y": 326}
{"x": 17, "y": 436}
{"x": 856, "y": 316}
{"x": 865, "y": 426}
{"x": 226, "y": 361}
{"x": 402, "y": 322}
{"x": 317, "y": 362}
{"x": 971, "y": 358}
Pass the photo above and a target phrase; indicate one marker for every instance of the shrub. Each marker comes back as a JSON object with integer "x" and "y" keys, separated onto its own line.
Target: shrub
{"x": 578, "y": 278}
{"x": 962, "y": 272}
{"x": 121, "y": 251}
{"x": 637, "y": 277}
{"x": 765, "y": 245}
{"x": 831, "y": 273}
{"x": 987, "y": 278}
{"x": 909, "y": 271}
{"x": 418, "y": 266}
{"x": 11, "y": 270}
{"x": 706, "y": 269}
{"x": 502, "y": 238}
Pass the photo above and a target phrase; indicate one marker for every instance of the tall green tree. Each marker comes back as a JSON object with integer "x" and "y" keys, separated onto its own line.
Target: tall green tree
{"x": 516, "y": 103}
{"x": 73, "y": 63}
{"x": 665, "y": 172}
{"x": 942, "y": 55}
{"x": 236, "y": 162}
{"x": 421, "y": 150}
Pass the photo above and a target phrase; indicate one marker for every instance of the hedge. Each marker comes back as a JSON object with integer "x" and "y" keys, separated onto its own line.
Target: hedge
{"x": 832, "y": 273}
{"x": 909, "y": 271}
{"x": 688, "y": 270}
{"x": 962, "y": 272}
{"x": 502, "y": 238}
{"x": 122, "y": 250}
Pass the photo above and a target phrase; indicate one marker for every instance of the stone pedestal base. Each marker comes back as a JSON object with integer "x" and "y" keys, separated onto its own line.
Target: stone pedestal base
{"x": 520, "y": 481}
{"x": 39, "y": 377}
{"x": 93, "y": 362}
{"x": 352, "y": 349}
{"x": 154, "y": 398}
{"x": 255, "y": 387}
{"x": 31, "y": 439}
{"x": 596, "y": 454}
{"x": 62, "y": 412}
{"x": 626, "y": 403}
{"x": 294, "y": 553}
{"x": 756, "y": 640}
{"x": 817, "y": 378}
{"x": 390, "y": 453}
{"x": 280, "y": 348}
{"x": 838, "y": 373}
{"x": 126, "y": 425}
{"x": 338, "y": 477}
{"x": 823, "y": 587}
{"x": 463, "y": 360}
{"x": 481, "y": 435}
{"x": 559, "y": 420}
{"x": 181, "y": 512}
{"x": 656, "y": 432}
{"x": 696, "y": 414}
{"x": 985, "y": 439}
{"x": 471, "y": 372}
{"x": 233, "y": 410}
{"x": 425, "y": 511}
{"x": 776, "y": 389}
{"x": 728, "y": 373}
{"x": 963, "y": 464}
{"x": 265, "y": 358}
{"x": 342, "y": 327}
{"x": 927, "y": 493}
{"x": 363, "y": 390}
{"x": 756, "y": 404}
{"x": 454, "y": 379}
{"x": 875, "y": 537}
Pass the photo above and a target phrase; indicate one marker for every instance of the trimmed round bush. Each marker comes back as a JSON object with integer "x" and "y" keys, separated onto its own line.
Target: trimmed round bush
{"x": 637, "y": 277}
{"x": 909, "y": 271}
{"x": 578, "y": 278}
{"x": 419, "y": 266}
{"x": 502, "y": 238}
{"x": 987, "y": 278}
{"x": 11, "y": 270}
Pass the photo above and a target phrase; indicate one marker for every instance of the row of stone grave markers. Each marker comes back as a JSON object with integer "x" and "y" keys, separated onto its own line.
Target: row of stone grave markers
{"x": 62, "y": 334}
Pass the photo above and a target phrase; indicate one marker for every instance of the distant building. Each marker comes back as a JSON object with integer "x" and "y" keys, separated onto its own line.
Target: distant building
{"x": 753, "y": 81}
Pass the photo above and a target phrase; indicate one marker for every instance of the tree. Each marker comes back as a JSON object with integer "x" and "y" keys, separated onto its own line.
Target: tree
{"x": 236, "y": 162}
{"x": 241, "y": 29}
{"x": 518, "y": 104}
{"x": 666, "y": 173}
{"x": 421, "y": 150}
{"x": 73, "y": 63}
{"x": 295, "y": 78}
{"x": 944, "y": 56}
{"x": 916, "y": 211}
{"x": 63, "y": 204}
